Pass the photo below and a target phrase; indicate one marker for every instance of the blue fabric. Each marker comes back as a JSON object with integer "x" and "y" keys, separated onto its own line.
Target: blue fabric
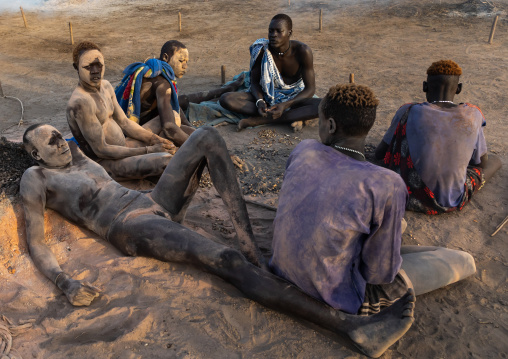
{"x": 442, "y": 142}
{"x": 132, "y": 105}
{"x": 274, "y": 89}
{"x": 338, "y": 225}
{"x": 72, "y": 139}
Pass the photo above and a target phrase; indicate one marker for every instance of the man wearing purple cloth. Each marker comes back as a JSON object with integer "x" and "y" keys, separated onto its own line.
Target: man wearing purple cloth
{"x": 438, "y": 147}
{"x": 337, "y": 231}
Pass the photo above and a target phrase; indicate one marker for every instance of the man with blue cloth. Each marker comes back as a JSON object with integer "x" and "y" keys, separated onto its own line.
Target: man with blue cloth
{"x": 148, "y": 93}
{"x": 125, "y": 149}
{"x": 282, "y": 80}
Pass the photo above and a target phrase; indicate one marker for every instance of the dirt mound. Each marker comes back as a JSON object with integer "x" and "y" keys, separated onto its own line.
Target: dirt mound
{"x": 14, "y": 162}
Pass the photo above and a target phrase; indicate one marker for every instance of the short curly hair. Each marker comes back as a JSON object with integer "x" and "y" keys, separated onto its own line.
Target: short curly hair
{"x": 444, "y": 67}
{"x": 82, "y": 47}
{"x": 352, "y": 106}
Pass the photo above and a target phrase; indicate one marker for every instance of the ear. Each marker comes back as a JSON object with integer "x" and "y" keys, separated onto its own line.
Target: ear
{"x": 425, "y": 86}
{"x": 165, "y": 58}
{"x": 290, "y": 32}
{"x": 35, "y": 154}
{"x": 332, "y": 126}
{"x": 75, "y": 66}
{"x": 459, "y": 88}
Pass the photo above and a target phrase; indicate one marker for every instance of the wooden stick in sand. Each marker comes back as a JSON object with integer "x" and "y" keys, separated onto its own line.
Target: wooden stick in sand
{"x": 493, "y": 29}
{"x": 1, "y": 90}
{"x": 351, "y": 78}
{"x": 179, "y": 21}
{"x": 501, "y": 225}
{"x": 70, "y": 30}
{"x": 223, "y": 74}
{"x": 289, "y": 2}
{"x": 320, "y": 20}
{"x": 23, "y": 14}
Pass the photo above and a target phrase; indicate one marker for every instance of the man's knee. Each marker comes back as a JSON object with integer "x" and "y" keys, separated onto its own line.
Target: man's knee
{"x": 226, "y": 99}
{"x": 208, "y": 138}
{"x": 231, "y": 259}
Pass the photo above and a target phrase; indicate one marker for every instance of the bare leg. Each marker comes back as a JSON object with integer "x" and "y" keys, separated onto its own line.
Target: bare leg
{"x": 180, "y": 180}
{"x": 303, "y": 111}
{"x": 199, "y": 97}
{"x": 137, "y": 167}
{"x": 239, "y": 102}
{"x": 160, "y": 238}
{"x": 430, "y": 268}
{"x": 493, "y": 165}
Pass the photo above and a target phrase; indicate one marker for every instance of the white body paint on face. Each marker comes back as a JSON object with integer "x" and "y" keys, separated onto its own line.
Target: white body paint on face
{"x": 51, "y": 150}
{"x": 178, "y": 62}
{"x": 91, "y": 67}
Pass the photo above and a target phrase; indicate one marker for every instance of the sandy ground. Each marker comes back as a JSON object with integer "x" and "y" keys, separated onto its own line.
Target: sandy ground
{"x": 150, "y": 309}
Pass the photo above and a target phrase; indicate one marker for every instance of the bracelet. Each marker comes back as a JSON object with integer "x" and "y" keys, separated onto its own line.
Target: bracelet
{"x": 59, "y": 274}
{"x": 260, "y": 100}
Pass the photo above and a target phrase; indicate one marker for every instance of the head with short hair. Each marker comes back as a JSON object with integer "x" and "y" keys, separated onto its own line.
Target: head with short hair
{"x": 89, "y": 62}
{"x": 285, "y": 18}
{"x": 176, "y": 55}
{"x": 352, "y": 107}
{"x": 442, "y": 81}
{"x": 46, "y": 146}
{"x": 81, "y": 48}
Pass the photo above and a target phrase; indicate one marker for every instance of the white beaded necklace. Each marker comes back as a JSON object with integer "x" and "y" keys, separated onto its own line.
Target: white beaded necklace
{"x": 442, "y": 102}
{"x": 350, "y": 150}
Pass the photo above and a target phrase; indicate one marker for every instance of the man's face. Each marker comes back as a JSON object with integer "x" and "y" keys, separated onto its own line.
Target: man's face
{"x": 278, "y": 33}
{"x": 178, "y": 62}
{"x": 91, "y": 68}
{"x": 50, "y": 149}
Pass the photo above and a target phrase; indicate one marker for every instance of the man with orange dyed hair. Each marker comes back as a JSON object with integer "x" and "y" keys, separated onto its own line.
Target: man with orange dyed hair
{"x": 438, "y": 146}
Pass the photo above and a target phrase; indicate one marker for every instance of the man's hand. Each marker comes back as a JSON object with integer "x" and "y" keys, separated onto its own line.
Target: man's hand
{"x": 78, "y": 293}
{"x": 159, "y": 144}
{"x": 276, "y": 111}
{"x": 261, "y": 105}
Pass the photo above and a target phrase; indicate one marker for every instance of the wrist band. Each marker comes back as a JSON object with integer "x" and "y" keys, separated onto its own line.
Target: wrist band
{"x": 260, "y": 100}
{"x": 58, "y": 275}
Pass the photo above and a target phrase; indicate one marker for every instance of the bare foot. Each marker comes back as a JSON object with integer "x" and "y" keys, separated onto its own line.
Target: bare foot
{"x": 238, "y": 162}
{"x": 248, "y": 122}
{"x": 378, "y": 332}
{"x": 297, "y": 126}
{"x": 78, "y": 293}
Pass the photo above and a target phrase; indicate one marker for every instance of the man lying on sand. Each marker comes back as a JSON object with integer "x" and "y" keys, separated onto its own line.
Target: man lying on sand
{"x": 282, "y": 80}
{"x": 98, "y": 123}
{"x": 337, "y": 232}
{"x": 148, "y": 93}
{"x": 148, "y": 224}
{"x": 438, "y": 147}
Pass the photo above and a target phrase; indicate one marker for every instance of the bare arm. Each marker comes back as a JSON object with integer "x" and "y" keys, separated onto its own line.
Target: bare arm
{"x": 33, "y": 195}
{"x": 132, "y": 129}
{"x": 255, "y": 87}
{"x": 82, "y": 111}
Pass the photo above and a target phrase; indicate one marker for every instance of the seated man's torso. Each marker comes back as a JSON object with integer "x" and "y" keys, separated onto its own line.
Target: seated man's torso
{"x": 103, "y": 108}
{"x": 290, "y": 66}
{"x": 148, "y": 98}
{"x": 442, "y": 142}
{"x": 329, "y": 206}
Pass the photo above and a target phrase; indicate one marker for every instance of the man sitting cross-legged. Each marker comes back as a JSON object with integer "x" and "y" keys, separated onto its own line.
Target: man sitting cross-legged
{"x": 100, "y": 126}
{"x": 148, "y": 93}
{"x": 282, "y": 80}
{"x": 337, "y": 232}
{"x": 148, "y": 224}
{"x": 438, "y": 147}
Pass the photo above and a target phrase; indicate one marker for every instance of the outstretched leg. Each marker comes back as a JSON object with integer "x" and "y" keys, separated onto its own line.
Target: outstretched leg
{"x": 199, "y": 97}
{"x": 136, "y": 167}
{"x": 180, "y": 180}
{"x": 430, "y": 268}
{"x": 158, "y": 237}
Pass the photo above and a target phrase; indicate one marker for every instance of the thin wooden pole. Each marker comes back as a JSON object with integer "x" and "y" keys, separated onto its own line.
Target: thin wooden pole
{"x": 1, "y": 90}
{"x": 289, "y": 2}
{"x": 23, "y": 14}
{"x": 501, "y": 225}
{"x": 351, "y": 78}
{"x": 179, "y": 21}
{"x": 223, "y": 74}
{"x": 70, "y": 30}
{"x": 320, "y": 20}
{"x": 493, "y": 29}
